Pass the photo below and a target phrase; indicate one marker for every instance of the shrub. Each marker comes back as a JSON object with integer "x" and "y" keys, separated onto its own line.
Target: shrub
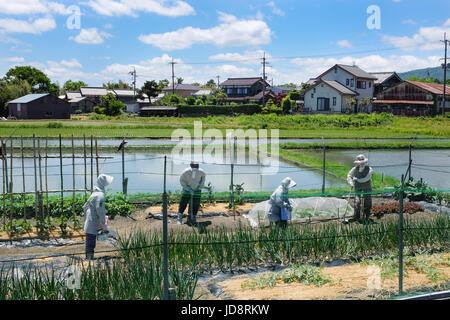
{"x": 99, "y": 110}
{"x": 54, "y": 125}
{"x": 187, "y": 110}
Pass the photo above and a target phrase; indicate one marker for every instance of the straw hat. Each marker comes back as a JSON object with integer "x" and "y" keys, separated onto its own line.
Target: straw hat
{"x": 361, "y": 159}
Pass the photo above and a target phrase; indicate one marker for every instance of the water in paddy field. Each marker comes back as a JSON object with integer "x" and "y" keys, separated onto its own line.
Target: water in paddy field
{"x": 431, "y": 165}
{"x": 145, "y": 174}
{"x": 28, "y": 142}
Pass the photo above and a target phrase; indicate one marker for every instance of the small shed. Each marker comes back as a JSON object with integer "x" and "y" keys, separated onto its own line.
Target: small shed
{"x": 39, "y": 106}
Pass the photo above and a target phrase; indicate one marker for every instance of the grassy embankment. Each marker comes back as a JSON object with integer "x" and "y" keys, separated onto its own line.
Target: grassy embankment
{"x": 298, "y": 126}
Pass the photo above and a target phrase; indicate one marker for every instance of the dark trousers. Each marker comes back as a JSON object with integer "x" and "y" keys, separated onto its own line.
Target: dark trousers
{"x": 186, "y": 199}
{"x": 367, "y": 203}
{"x": 91, "y": 241}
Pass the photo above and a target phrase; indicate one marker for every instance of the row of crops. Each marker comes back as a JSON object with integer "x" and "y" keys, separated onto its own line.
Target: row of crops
{"x": 137, "y": 272}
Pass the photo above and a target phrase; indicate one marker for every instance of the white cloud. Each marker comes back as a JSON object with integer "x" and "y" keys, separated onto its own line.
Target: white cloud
{"x": 231, "y": 32}
{"x": 20, "y": 7}
{"x": 15, "y": 59}
{"x": 409, "y": 21}
{"x": 248, "y": 57}
{"x": 132, "y": 7}
{"x": 275, "y": 9}
{"x": 313, "y": 67}
{"x": 345, "y": 44}
{"x": 426, "y": 39}
{"x": 21, "y": 26}
{"x": 91, "y": 36}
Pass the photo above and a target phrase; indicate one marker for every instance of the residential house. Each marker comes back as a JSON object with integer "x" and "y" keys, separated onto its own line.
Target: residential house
{"x": 412, "y": 98}
{"x": 39, "y": 106}
{"x": 328, "y": 96}
{"x": 246, "y": 90}
{"x": 203, "y": 92}
{"x": 94, "y": 93}
{"x": 78, "y": 102}
{"x": 352, "y": 78}
{"x": 184, "y": 90}
{"x": 282, "y": 90}
{"x": 128, "y": 97}
{"x": 385, "y": 80}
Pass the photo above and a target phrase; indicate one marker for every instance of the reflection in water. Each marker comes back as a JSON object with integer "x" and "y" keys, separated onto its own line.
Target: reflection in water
{"x": 145, "y": 174}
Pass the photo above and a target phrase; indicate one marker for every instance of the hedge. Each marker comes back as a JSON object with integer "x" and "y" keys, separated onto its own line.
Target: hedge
{"x": 187, "y": 110}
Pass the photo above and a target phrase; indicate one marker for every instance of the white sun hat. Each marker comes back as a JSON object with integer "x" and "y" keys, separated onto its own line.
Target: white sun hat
{"x": 361, "y": 159}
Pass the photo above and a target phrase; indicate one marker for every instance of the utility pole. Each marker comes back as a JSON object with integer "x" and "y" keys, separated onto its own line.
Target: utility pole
{"x": 133, "y": 74}
{"x": 218, "y": 82}
{"x": 264, "y": 79}
{"x": 445, "y": 72}
{"x": 173, "y": 76}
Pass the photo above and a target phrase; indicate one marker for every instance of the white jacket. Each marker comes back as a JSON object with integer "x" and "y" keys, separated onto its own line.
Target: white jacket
{"x": 94, "y": 208}
{"x": 189, "y": 181}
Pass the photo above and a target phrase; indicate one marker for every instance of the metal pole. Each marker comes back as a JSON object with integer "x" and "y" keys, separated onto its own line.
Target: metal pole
{"x": 5, "y": 155}
{"x": 445, "y": 74}
{"x": 124, "y": 180}
{"x": 41, "y": 203}
{"x": 23, "y": 180}
{"x": 11, "y": 183}
{"x": 4, "y": 184}
{"x": 400, "y": 241}
{"x": 73, "y": 178}
{"x": 410, "y": 161}
{"x": 166, "y": 249}
{"x": 85, "y": 167}
{"x": 232, "y": 182}
{"x": 35, "y": 176}
{"x": 61, "y": 173}
{"x": 96, "y": 157}
{"x": 323, "y": 173}
{"x": 46, "y": 175}
{"x": 92, "y": 163}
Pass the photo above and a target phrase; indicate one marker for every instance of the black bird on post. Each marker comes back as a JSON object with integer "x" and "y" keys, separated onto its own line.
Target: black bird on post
{"x": 124, "y": 180}
{"x": 122, "y": 145}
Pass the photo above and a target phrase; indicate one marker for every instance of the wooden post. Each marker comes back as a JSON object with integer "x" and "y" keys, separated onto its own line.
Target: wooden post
{"x": 165, "y": 244}
{"x": 23, "y": 180}
{"x": 410, "y": 161}
{"x": 323, "y": 173}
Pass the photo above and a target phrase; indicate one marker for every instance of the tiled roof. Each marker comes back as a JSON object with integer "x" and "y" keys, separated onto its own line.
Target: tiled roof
{"x": 182, "y": 86}
{"x": 93, "y": 91}
{"x": 357, "y": 72}
{"x": 29, "y": 97}
{"x": 382, "y": 76}
{"x": 240, "y": 81}
{"x": 404, "y": 102}
{"x": 124, "y": 92}
{"x": 72, "y": 95}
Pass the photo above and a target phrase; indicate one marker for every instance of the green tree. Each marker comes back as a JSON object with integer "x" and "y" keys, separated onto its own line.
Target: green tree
{"x": 163, "y": 84}
{"x": 171, "y": 100}
{"x": 190, "y": 100}
{"x": 211, "y": 84}
{"x": 113, "y": 107}
{"x": 70, "y": 85}
{"x": 10, "y": 91}
{"x": 289, "y": 85}
{"x": 150, "y": 88}
{"x": 294, "y": 95}
{"x": 180, "y": 80}
{"x": 38, "y": 81}
{"x": 286, "y": 105}
{"x": 117, "y": 85}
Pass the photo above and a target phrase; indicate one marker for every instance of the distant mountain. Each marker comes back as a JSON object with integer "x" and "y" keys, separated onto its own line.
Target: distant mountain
{"x": 436, "y": 73}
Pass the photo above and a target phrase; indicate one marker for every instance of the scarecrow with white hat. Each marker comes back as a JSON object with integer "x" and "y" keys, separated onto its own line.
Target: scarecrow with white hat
{"x": 359, "y": 178}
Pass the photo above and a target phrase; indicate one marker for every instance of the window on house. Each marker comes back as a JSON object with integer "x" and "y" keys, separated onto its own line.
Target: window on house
{"x": 347, "y": 82}
{"x": 335, "y": 70}
{"x": 352, "y": 82}
{"x": 370, "y": 84}
{"x": 323, "y": 104}
{"x": 229, "y": 91}
{"x": 312, "y": 95}
{"x": 245, "y": 90}
{"x": 314, "y": 90}
{"x": 361, "y": 84}
{"x": 334, "y": 101}
{"x": 19, "y": 107}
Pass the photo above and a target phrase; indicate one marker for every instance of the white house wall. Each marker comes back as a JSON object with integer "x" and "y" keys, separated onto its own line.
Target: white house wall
{"x": 324, "y": 91}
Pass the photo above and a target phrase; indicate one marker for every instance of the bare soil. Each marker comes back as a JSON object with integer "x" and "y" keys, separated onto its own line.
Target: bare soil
{"x": 348, "y": 282}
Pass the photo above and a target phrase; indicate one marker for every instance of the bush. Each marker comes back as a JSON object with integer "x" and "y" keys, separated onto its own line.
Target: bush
{"x": 78, "y": 111}
{"x": 54, "y": 125}
{"x": 99, "y": 110}
{"x": 187, "y": 110}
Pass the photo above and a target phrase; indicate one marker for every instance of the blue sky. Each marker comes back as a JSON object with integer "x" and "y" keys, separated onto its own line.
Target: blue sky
{"x": 218, "y": 38}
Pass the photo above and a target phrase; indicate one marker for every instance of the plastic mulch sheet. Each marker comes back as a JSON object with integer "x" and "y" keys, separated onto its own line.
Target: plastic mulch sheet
{"x": 303, "y": 209}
